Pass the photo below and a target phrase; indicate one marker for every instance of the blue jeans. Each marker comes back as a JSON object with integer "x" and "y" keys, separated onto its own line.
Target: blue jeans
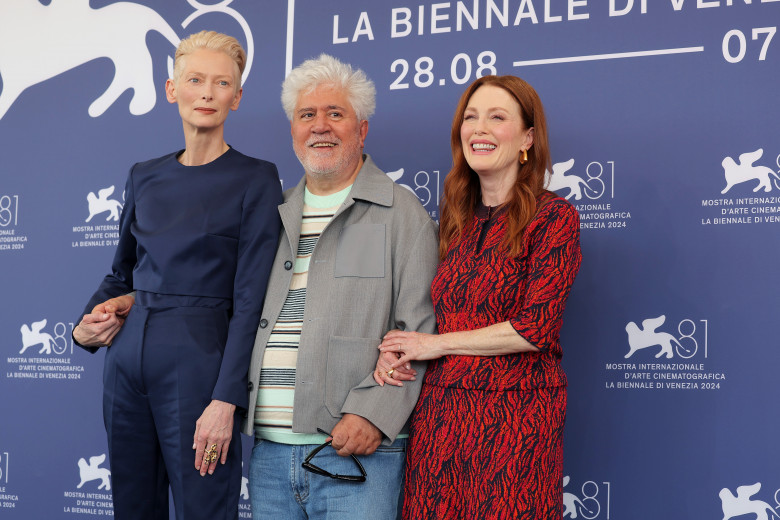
{"x": 280, "y": 488}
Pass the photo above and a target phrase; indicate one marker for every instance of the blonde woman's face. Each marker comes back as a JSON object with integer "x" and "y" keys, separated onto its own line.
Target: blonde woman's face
{"x": 206, "y": 90}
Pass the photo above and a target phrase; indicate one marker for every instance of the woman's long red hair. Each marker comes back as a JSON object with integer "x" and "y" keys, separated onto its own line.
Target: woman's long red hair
{"x": 461, "y": 186}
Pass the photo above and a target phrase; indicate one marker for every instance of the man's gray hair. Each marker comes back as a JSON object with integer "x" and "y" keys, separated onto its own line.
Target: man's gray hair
{"x": 327, "y": 70}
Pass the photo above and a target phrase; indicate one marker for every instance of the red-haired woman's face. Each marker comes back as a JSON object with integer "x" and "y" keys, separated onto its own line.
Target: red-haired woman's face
{"x": 492, "y": 133}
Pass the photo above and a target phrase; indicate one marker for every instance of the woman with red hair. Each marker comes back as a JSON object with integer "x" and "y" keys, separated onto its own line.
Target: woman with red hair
{"x": 487, "y": 434}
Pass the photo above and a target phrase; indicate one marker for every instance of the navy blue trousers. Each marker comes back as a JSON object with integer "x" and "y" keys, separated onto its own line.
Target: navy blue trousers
{"x": 158, "y": 378}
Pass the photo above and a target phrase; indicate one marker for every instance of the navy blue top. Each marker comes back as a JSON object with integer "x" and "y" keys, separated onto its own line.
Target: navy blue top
{"x": 207, "y": 231}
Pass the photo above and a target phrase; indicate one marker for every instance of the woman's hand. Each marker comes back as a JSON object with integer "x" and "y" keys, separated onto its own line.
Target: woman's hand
{"x": 410, "y": 346}
{"x": 99, "y": 328}
{"x": 385, "y": 373}
{"x": 213, "y": 432}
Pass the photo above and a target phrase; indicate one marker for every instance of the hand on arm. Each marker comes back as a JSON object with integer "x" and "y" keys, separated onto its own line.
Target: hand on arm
{"x": 213, "y": 428}
{"x": 494, "y": 340}
{"x": 120, "y": 305}
{"x": 385, "y": 373}
{"x": 99, "y": 328}
{"x": 354, "y": 435}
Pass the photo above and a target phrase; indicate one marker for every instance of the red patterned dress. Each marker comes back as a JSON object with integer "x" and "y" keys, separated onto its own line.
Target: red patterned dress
{"x": 487, "y": 433}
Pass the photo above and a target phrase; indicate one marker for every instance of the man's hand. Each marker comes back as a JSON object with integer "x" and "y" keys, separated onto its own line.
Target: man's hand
{"x": 354, "y": 435}
{"x": 213, "y": 432}
{"x": 99, "y": 328}
{"x": 120, "y": 305}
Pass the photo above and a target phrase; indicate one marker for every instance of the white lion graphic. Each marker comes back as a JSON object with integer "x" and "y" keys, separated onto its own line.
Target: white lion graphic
{"x": 648, "y": 337}
{"x": 558, "y": 180}
{"x": 33, "y": 335}
{"x": 745, "y": 171}
{"x": 38, "y": 42}
{"x": 244, "y": 488}
{"x": 91, "y": 471}
{"x": 737, "y": 506}
{"x": 396, "y": 175}
{"x": 100, "y": 203}
{"x": 572, "y": 505}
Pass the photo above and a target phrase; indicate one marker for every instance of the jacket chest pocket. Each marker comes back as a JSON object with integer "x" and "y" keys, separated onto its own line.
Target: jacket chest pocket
{"x": 361, "y": 251}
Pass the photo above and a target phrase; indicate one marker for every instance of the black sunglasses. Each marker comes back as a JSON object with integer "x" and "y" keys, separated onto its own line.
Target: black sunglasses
{"x": 308, "y": 466}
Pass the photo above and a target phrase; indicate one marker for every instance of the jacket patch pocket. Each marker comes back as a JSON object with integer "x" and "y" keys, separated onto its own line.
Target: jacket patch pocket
{"x": 350, "y": 361}
{"x": 361, "y": 251}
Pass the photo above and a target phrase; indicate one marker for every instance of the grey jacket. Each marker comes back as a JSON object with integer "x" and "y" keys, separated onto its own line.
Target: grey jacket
{"x": 370, "y": 272}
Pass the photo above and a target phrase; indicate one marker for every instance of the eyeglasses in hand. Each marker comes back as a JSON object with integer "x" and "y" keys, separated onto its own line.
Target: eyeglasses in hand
{"x": 308, "y": 466}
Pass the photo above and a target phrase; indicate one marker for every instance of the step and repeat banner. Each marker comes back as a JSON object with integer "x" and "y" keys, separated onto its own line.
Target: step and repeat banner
{"x": 665, "y": 135}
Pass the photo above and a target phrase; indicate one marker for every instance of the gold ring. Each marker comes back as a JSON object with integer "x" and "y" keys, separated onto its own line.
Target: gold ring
{"x": 211, "y": 454}
{"x": 390, "y": 372}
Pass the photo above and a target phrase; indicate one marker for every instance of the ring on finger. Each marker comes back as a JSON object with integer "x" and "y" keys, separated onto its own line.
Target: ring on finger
{"x": 211, "y": 454}
{"x": 390, "y": 372}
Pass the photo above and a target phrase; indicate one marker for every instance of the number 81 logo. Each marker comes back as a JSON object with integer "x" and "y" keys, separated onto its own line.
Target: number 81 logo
{"x": 9, "y": 210}
{"x": 4, "y": 467}
{"x": 594, "y": 501}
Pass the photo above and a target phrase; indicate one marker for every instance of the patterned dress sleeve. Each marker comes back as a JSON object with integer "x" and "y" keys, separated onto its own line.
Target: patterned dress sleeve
{"x": 553, "y": 259}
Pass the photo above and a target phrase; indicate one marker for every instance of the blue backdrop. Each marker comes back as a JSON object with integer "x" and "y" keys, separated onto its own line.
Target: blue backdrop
{"x": 663, "y": 120}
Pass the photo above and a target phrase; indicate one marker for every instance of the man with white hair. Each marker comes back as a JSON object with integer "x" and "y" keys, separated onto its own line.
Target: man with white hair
{"x": 356, "y": 257}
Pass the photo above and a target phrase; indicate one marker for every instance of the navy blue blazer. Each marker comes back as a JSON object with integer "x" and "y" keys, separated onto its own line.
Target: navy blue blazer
{"x": 204, "y": 231}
